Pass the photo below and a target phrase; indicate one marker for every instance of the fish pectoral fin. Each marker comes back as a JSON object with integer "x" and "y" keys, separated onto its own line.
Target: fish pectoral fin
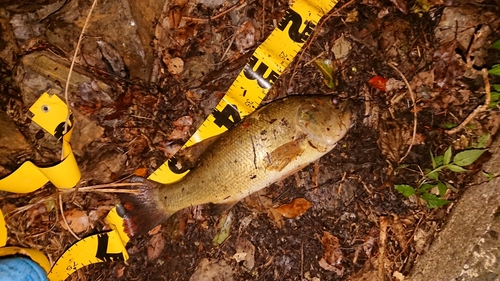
{"x": 217, "y": 209}
{"x": 279, "y": 158}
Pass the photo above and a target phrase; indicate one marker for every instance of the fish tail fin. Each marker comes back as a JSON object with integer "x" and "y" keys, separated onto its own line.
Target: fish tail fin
{"x": 141, "y": 211}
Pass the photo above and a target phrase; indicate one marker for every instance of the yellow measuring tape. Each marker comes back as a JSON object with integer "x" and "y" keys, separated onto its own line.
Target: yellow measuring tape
{"x": 251, "y": 86}
{"x": 50, "y": 113}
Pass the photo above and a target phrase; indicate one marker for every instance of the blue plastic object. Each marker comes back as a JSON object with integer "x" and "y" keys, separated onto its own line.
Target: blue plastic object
{"x": 19, "y": 268}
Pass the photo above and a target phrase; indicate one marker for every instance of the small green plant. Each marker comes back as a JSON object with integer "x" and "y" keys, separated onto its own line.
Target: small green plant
{"x": 431, "y": 178}
{"x": 495, "y": 70}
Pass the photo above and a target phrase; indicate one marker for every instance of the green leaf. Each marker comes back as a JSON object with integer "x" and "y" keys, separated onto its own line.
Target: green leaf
{"x": 434, "y": 175}
{"x": 495, "y": 70}
{"x": 439, "y": 160}
{"x": 488, "y": 176}
{"x": 223, "y": 226}
{"x": 326, "y": 68}
{"x": 447, "y": 156}
{"x": 496, "y": 87}
{"x": 495, "y": 99}
{"x": 455, "y": 168}
{"x": 482, "y": 140}
{"x": 426, "y": 187}
{"x": 405, "y": 189}
{"x": 433, "y": 201}
{"x": 454, "y": 189}
{"x": 442, "y": 188}
{"x": 448, "y": 125}
{"x": 434, "y": 163}
{"x": 496, "y": 45}
{"x": 467, "y": 157}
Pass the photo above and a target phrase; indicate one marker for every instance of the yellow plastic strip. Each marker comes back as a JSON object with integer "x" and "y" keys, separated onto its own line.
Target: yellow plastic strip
{"x": 102, "y": 247}
{"x": 35, "y": 255}
{"x": 50, "y": 113}
{"x": 267, "y": 63}
{"x": 3, "y": 231}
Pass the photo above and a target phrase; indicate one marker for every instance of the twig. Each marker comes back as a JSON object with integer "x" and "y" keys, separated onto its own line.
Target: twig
{"x": 317, "y": 29}
{"x": 104, "y": 188}
{"x": 302, "y": 261}
{"x": 64, "y": 219}
{"x": 381, "y": 251}
{"x": 478, "y": 109}
{"x": 77, "y": 48}
{"x": 414, "y": 111}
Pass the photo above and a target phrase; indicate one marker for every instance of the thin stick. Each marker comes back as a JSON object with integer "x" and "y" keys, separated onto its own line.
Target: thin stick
{"x": 105, "y": 188}
{"x": 478, "y": 109}
{"x": 71, "y": 69}
{"x": 64, "y": 219}
{"x": 414, "y": 110}
{"x": 384, "y": 221}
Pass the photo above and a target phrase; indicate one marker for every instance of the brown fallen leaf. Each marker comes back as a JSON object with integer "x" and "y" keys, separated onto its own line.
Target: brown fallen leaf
{"x": 295, "y": 208}
{"x": 333, "y": 257}
{"x": 77, "y": 220}
{"x": 245, "y": 36}
{"x": 260, "y": 203}
{"x": 155, "y": 247}
{"x": 141, "y": 172}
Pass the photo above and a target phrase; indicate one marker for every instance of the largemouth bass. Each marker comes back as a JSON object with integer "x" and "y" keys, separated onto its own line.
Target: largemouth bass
{"x": 270, "y": 144}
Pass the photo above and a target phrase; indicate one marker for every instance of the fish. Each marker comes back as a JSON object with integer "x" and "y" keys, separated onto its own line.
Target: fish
{"x": 270, "y": 144}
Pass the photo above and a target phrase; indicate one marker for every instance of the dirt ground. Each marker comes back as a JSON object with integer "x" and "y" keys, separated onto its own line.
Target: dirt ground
{"x": 358, "y": 226}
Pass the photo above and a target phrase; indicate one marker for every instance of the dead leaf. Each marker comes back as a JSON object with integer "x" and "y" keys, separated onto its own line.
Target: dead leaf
{"x": 155, "y": 247}
{"x": 175, "y": 66}
{"x": 398, "y": 275}
{"x": 341, "y": 48}
{"x": 141, "y": 172}
{"x": 393, "y": 139}
{"x": 295, "y": 208}
{"x": 245, "y": 252}
{"x": 77, "y": 220}
{"x": 155, "y": 230}
{"x": 393, "y": 84}
{"x": 184, "y": 121}
{"x": 401, "y": 5}
{"x": 333, "y": 257}
{"x": 245, "y": 36}
{"x": 119, "y": 271}
{"x": 212, "y": 270}
{"x": 259, "y": 202}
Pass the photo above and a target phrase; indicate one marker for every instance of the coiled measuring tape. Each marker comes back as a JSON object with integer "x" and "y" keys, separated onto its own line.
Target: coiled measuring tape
{"x": 251, "y": 86}
{"x": 50, "y": 112}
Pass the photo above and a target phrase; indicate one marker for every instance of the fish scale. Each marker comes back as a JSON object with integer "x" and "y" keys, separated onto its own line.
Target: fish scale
{"x": 268, "y": 145}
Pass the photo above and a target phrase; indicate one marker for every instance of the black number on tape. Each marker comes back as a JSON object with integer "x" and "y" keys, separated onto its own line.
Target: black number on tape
{"x": 222, "y": 117}
{"x": 264, "y": 82}
{"x": 176, "y": 169}
{"x": 293, "y": 32}
{"x": 59, "y": 131}
{"x": 102, "y": 249}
